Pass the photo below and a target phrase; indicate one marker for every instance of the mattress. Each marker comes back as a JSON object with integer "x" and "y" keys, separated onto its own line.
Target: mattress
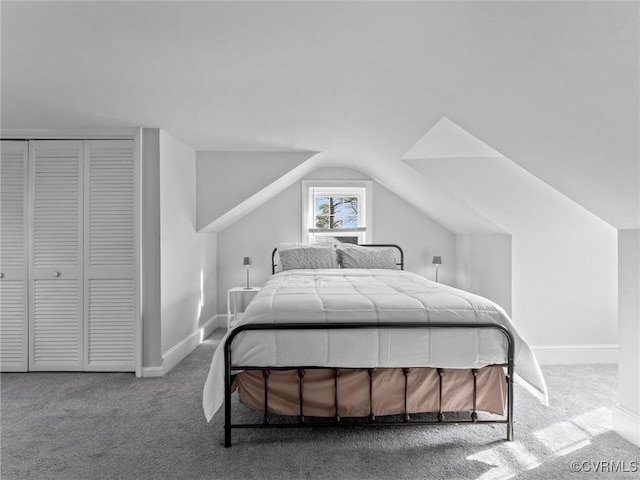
{"x": 370, "y": 295}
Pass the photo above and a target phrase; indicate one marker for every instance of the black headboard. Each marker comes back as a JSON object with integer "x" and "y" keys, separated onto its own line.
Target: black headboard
{"x": 392, "y": 245}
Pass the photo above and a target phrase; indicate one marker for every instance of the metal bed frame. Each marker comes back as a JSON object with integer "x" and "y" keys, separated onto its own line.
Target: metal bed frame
{"x": 371, "y": 419}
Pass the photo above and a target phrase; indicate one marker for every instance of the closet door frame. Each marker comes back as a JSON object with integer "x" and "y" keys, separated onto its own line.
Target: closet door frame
{"x": 104, "y": 134}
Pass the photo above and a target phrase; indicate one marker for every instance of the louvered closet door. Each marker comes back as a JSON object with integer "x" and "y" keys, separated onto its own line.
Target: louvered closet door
{"x": 110, "y": 255}
{"x": 56, "y": 284}
{"x": 13, "y": 257}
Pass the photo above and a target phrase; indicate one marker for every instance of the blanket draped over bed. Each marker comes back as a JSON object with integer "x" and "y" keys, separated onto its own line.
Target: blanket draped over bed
{"x": 366, "y": 295}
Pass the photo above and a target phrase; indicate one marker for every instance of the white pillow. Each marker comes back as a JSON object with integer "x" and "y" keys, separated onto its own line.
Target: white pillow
{"x": 289, "y": 246}
{"x": 308, "y": 257}
{"x": 355, "y": 256}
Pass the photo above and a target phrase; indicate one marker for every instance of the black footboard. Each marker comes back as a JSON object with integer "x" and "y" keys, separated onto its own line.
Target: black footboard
{"x": 337, "y": 421}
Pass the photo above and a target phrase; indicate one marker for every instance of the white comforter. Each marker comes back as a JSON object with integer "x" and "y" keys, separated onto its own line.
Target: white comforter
{"x": 354, "y": 295}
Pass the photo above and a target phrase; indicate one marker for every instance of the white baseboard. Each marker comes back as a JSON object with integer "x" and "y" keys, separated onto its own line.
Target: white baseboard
{"x": 182, "y": 349}
{"x": 572, "y": 354}
{"x": 626, "y": 424}
{"x": 152, "y": 371}
{"x": 218, "y": 321}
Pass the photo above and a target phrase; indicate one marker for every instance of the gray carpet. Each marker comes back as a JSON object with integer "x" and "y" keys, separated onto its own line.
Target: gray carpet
{"x": 116, "y": 426}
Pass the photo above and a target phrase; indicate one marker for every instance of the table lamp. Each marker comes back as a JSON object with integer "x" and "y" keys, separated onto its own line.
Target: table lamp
{"x": 436, "y": 261}
{"x": 247, "y": 262}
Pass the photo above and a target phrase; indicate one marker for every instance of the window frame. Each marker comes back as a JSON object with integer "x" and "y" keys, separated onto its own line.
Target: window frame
{"x": 360, "y": 188}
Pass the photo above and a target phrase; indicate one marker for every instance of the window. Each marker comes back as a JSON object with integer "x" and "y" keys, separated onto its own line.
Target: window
{"x": 336, "y": 211}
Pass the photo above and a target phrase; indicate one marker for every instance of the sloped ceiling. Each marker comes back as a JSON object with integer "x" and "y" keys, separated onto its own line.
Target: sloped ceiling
{"x": 553, "y": 86}
{"x": 217, "y": 194}
{"x": 448, "y": 140}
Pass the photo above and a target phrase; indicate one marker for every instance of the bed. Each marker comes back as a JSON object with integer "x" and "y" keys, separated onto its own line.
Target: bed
{"x": 346, "y": 334}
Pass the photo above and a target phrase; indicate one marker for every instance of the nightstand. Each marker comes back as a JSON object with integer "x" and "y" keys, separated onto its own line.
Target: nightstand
{"x": 234, "y": 296}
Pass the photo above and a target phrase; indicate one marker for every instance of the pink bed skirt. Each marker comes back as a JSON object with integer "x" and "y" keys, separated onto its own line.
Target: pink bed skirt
{"x": 388, "y": 391}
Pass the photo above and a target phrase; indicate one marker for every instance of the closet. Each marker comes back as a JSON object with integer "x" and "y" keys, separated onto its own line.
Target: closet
{"x": 69, "y": 295}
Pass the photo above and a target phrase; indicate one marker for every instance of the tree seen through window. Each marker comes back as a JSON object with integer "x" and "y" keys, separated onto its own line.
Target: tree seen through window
{"x": 335, "y": 212}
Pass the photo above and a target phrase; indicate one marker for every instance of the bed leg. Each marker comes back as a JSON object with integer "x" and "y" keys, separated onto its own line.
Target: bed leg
{"x": 227, "y": 396}
{"x": 227, "y": 436}
{"x": 510, "y": 402}
{"x": 510, "y": 379}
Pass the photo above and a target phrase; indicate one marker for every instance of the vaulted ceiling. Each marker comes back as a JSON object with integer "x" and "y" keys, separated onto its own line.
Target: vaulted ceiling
{"x": 552, "y": 86}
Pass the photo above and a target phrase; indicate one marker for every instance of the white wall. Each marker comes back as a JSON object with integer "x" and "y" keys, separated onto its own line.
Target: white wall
{"x": 150, "y": 249}
{"x": 255, "y": 235}
{"x": 564, "y": 258}
{"x": 420, "y": 237}
{"x": 483, "y": 266}
{"x": 225, "y": 179}
{"x": 279, "y": 220}
{"x": 565, "y": 281}
{"x": 188, "y": 279}
{"x": 626, "y": 415}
